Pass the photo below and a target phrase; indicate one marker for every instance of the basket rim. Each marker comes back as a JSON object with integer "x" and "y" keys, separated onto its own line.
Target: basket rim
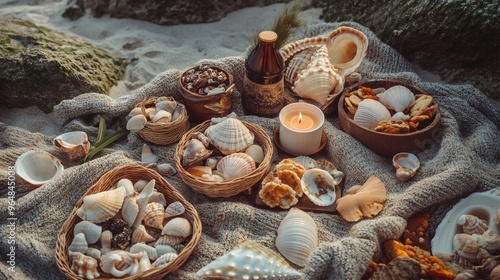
{"x": 65, "y": 234}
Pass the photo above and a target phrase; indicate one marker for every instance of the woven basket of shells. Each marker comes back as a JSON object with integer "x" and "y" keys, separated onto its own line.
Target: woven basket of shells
{"x": 130, "y": 224}
{"x": 159, "y": 120}
{"x": 223, "y": 158}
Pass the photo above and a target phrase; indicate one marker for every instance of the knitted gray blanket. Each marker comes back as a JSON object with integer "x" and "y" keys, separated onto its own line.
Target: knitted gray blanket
{"x": 463, "y": 158}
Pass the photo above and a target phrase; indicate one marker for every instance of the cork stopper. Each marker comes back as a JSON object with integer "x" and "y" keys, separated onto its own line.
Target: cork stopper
{"x": 268, "y": 36}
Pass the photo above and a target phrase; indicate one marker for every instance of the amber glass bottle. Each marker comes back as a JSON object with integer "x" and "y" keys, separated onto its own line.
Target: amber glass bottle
{"x": 263, "y": 85}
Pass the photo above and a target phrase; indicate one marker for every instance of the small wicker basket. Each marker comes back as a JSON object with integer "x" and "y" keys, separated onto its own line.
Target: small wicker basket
{"x": 231, "y": 187}
{"x": 133, "y": 172}
{"x": 162, "y": 133}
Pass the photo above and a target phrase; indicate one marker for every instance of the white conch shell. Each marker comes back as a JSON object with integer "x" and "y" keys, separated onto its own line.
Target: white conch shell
{"x": 318, "y": 79}
{"x": 37, "y": 167}
{"x": 76, "y": 144}
{"x": 101, "y": 206}
{"x": 256, "y": 152}
{"x": 230, "y": 136}
{"x": 142, "y": 202}
{"x": 141, "y": 235}
{"x": 347, "y": 49}
{"x": 136, "y": 123}
{"x": 236, "y": 165}
{"x": 147, "y": 155}
{"x": 150, "y": 251}
{"x": 78, "y": 244}
{"x": 154, "y": 215}
{"x": 174, "y": 209}
{"x": 178, "y": 227}
{"x": 297, "y": 236}
{"x": 162, "y": 117}
{"x": 249, "y": 260}
{"x": 165, "y": 259}
{"x": 397, "y": 98}
{"x": 370, "y": 113}
{"x": 194, "y": 153}
{"x": 406, "y": 165}
{"x": 84, "y": 266}
{"x": 130, "y": 209}
{"x": 319, "y": 186}
{"x": 91, "y": 231}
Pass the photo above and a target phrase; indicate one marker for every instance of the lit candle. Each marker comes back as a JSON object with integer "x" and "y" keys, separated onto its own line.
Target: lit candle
{"x": 301, "y": 122}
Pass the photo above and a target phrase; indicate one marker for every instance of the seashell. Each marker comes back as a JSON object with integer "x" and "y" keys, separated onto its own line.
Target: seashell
{"x": 121, "y": 233}
{"x": 398, "y": 268}
{"x": 141, "y": 235}
{"x": 154, "y": 215}
{"x": 249, "y": 260}
{"x": 106, "y": 237}
{"x": 158, "y": 197}
{"x": 102, "y": 206}
{"x": 179, "y": 111}
{"x": 179, "y": 247}
{"x": 93, "y": 252}
{"x": 162, "y": 116}
{"x": 194, "y": 153}
{"x": 466, "y": 246}
{"x": 331, "y": 169}
{"x": 163, "y": 249}
{"x": 495, "y": 273}
{"x": 135, "y": 111}
{"x": 286, "y": 177}
{"x": 290, "y": 164}
{"x": 496, "y": 219}
{"x": 170, "y": 240}
{"x": 353, "y": 78}
{"x": 406, "y": 165}
{"x": 297, "y": 236}
{"x": 319, "y": 186}
{"x": 165, "y": 259}
{"x": 166, "y": 105}
{"x": 174, "y": 209}
{"x": 472, "y": 224}
{"x": 230, "y": 136}
{"x": 76, "y": 144}
{"x": 37, "y": 167}
{"x": 199, "y": 170}
{"x": 490, "y": 241}
{"x": 370, "y": 112}
{"x": 128, "y": 185}
{"x": 166, "y": 169}
{"x": 136, "y": 123}
{"x": 275, "y": 193}
{"x": 318, "y": 79}
{"x": 306, "y": 161}
{"x": 178, "y": 227}
{"x": 400, "y": 116}
{"x": 78, "y": 244}
{"x": 91, "y": 231}
{"x": 140, "y": 184}
{"x": 150, "y": 251}
{"x": 297, "y": 63}
{"x": 147, "y": 155}
{"x": 130, "y": 209}
{"x": 202, "y": 137}
{"x": 236, "y": 165}
{"x": 347, "y": 49}
{"x": 84, "y": 266}
{"x": 212, "y": 162}
{"x": 142, "y": 202}
{"x": 397, "y": 98}
{"x": 150, "y": 113}
{"x": 137, "y": 263}
{"x": 255, "y": 152}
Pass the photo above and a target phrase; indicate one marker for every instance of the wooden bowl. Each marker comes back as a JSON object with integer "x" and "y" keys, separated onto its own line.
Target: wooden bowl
{"x": 386, "y": 144}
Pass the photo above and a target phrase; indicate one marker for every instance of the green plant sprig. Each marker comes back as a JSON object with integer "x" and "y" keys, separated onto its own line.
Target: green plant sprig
{"x": 103, "y": 140}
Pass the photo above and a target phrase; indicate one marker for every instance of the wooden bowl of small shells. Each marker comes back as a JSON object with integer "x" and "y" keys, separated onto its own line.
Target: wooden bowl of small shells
{"x": 206, "y": 91}
{"x": 223, "y": 157}
{"x": 130, "y": 224}
{"x": 389, "y": 117}
{"x": 159, "y": 120}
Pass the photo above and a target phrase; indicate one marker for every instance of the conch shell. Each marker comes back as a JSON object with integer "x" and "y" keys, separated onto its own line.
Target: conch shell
{"x": 76, "y": 144}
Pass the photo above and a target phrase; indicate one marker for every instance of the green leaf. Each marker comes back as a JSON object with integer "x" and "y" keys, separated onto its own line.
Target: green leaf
{"x": 107, "y": 140}
{"x": 101, "y": 132}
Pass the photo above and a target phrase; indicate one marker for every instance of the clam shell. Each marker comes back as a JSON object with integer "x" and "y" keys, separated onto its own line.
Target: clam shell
{"x": 76, "y": 144}
{"x": 230, "y": 136}
{"x": 37, "y": 167}
{"x": 150, "y": 251}
{"x": 178, "y": 227}
{"x": 256, "y": 152}
{"x": 147, "y": 155}
{"x": 162, "y": 116}
{"x": 297, "y": 236}
{"x": 154, "y": 215}
{"x": 194, "y": 153}
{"x": 166, "y": 105}
{"x": 406, "y": 165}
{"x": 174, "y": 209}
{"x": 249, "y": 260}
{"x": 78, "y": 244}
{"x": 136, "y": 123}
{"x": 370, "y": 112}
{"x": 102, "y": 206}
{"x": 141, "y": 235}
{"x": 91, "y": 231}
{"x": 319, "y": 186}
{"x": 84, "y": 266}
{"x": 165, "y": 259}
{"x": 135, "y": 111}
{"x": 236, "y": 165}
{"x": 140, "y": 184}
{"x": 347, "y": 49}
{"x": 397, "y": 98}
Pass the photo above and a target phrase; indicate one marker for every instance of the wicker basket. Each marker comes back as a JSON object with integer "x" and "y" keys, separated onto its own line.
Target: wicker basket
{"x": 162, "y": 133}
{"x": 231, "y": 187}
{"x": 133, "y": 172}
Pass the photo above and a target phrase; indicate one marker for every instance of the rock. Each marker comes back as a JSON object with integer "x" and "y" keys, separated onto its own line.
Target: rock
{"x": 399, "y": 268}
{"x": 457, "y": 39}
{"x": 41, "y": 67}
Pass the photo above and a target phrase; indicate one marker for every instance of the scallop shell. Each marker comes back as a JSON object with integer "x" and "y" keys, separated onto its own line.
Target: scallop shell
{"x": 178, "y": 227}
{"x": 150, "y": 251}
{"x": 37, "y": 167}
{"x": 194, "y": 153}
{"x": 76, "y": 144}
{"x": 236, "y": 165}
{"x": 370, "y": 112}
{"x": 406, "y": 165}
{"x": 297, "y": 236}
{"x": 347, "y": 49}
{"x": 101, "y": 206}
{"x": 490, "y": 241}
{"x": 84, "y": 266}
{"x": 249, "y": 260}
{"x": 256, "y": 152}
{"x": 170, "y": 240}
{"x": 78, "y": 244}
{"x": 230, "y": 136}
{"x": 319, "y": 186}
{"x": 130, "y": 209}
{"x": 91, "y": 231}
{"x": 147, "y": 155}
{"x": 397, "y": 98}
{"x": 154, "y": 215}
{"x": 136, "y": 123}
{"x": 472, "y": 224}
{"x": 165, "y": 259}
{"x": 141, "y": 235}
{"x": 174, "y": 209}
{"x": 306, "y": 161}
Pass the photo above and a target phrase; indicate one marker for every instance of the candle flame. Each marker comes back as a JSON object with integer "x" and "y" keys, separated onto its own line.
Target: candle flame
{"x": 300, "y": 117}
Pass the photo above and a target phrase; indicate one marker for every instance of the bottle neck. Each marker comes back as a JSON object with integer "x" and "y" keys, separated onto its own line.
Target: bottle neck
{"x": 265, "y": 64}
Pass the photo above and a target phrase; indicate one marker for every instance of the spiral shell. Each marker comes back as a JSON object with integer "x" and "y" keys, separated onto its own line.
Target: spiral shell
{"x": 78, "y": 244}
{"x": 84, "y": 266}
{"x": 165, "y": 259}
{"x": 230, "y": 136}
{"x": 154, "y": 215}
{"x": 140, "y": 235}
{"x": 472, "y": 224}
{"x": 236, "y": 165}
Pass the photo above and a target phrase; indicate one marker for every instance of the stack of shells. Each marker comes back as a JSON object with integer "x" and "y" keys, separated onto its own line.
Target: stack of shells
{"x": 127, "y": 230}
{"x": 165, "y": 111}
{"x": 229, "y": 136}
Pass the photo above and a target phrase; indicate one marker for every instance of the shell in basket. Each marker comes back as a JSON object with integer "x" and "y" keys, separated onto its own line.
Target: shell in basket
{"x": 115, "y": 260}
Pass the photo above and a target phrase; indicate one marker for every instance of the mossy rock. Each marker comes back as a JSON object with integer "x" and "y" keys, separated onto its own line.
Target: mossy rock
{"x": 456, "y": 39}
{"x": 41, "y": 67}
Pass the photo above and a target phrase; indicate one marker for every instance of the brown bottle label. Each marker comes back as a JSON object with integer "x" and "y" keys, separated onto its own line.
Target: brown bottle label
{"x": 263, "y": 100}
